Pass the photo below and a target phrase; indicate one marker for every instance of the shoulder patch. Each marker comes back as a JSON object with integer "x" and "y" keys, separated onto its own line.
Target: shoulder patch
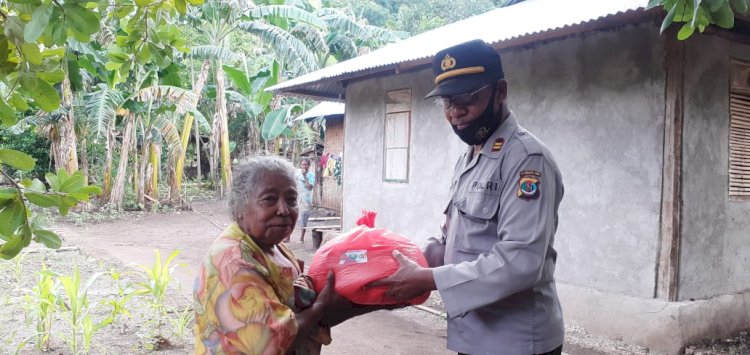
{"x": 528, "y": 185}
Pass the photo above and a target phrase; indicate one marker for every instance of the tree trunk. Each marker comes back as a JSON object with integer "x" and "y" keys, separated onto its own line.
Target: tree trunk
{"x": 176, "y": 180}
{"x": 66, "y": 152}
{"x": 251, "y": 146}
{"x": 141, "y": 185}
{"x": 118, "y": 190}
{"x": 295, "y": 153}
{"x": 107, "y": 180}
{"x": 85, "y": 160}
{"x": 213, "y": 151}
{"x": 154, "y": 155}
{"x": 174, "y": 186}
{"x": 221, "y": 114}
{"x": 198, "y": 176}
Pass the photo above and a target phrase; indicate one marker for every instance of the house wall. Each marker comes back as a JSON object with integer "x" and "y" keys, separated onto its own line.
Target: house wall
{"x": 415, "y": 208}
{"x": 715, "y": 250}
{"x": 331, "y": 191}
{"x": 595, "y": 100}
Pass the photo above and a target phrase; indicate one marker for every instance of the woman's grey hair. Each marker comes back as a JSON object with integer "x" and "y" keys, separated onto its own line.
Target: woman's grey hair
{"x": 247, "y": 176}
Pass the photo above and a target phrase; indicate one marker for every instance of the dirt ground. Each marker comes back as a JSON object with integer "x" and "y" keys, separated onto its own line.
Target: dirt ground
{"x": 130, "y": 241}
{"x": 407, "y": 331}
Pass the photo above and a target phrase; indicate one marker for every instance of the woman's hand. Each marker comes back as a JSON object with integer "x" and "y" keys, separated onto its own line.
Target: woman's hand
{"x": 310, "y": 317}
{"x": 338, "y": 308}
{"x": 328, "y": 297}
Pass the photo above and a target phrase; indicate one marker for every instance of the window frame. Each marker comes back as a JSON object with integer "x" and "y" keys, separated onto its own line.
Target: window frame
{"x": 738, "y": 131}
{"x": 408, "y": 135}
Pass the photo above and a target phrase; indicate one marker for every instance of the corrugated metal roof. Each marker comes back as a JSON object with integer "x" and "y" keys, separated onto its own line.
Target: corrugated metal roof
{"x": 505, "y": 24}
{"x": 325, "y": 108}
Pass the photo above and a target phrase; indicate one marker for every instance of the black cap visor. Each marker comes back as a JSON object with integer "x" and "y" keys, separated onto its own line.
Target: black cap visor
{"x": 460, "y": 85}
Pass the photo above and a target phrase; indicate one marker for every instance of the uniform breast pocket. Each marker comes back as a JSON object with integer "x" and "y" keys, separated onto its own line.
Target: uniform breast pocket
{"x": 477, "y": 225}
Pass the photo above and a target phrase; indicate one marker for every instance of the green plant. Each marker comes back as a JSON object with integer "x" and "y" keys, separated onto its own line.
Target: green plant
{"x": 182, "y": 321}
{"x": 76, "y": 310}
{"x": 30, "y": 143}
{"x": 699, "y": 14}
{"x": 124, "y": 294}
{"x": 41, "y": 303}
{"x": 158, "y": 277}
{"x": 17, "y": 227}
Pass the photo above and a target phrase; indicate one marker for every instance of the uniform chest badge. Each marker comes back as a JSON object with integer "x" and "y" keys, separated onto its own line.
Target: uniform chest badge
{"x": 528, "y": 185}
{"x": 482, "y": 133}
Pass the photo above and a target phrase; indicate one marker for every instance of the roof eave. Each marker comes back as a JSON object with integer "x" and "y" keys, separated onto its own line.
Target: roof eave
{"x": 603, "y": 23}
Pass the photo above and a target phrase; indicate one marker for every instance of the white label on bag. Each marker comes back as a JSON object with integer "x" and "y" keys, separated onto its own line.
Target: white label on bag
{"x": 353, "y": 257}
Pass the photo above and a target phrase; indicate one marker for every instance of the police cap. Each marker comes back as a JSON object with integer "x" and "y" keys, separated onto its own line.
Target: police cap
{"x": 464, "y": 68}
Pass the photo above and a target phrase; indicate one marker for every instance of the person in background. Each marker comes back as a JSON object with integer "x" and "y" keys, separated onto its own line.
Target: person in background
{"x": 494, "y": 262}
{"x": 305, "y": 180}
{"x": 251, "y": 296}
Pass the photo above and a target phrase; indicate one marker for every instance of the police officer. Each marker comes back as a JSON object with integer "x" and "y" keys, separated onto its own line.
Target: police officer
{"x": 494, "y": 262}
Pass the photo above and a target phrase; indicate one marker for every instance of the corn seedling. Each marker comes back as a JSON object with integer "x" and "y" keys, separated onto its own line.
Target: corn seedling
{"x": 76, "y": 311}
{"x": 40, "y": 304}
{"x": 124, "y": 294}
{"x": 182, "y": 321}
{"x": 158, "y": 277}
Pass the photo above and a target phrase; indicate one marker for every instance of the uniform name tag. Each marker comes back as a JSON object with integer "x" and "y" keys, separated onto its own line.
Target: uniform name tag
{"x": 353, "y": 257}
{"x": 488, "y": 187}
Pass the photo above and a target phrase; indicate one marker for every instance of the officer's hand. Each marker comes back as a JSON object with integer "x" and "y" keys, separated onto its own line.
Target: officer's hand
{"x": 409, "y": 281}
{"x": 434, "y": 252}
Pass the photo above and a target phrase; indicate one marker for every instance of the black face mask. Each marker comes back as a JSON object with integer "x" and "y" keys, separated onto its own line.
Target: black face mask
{"x": 483, "y": 126}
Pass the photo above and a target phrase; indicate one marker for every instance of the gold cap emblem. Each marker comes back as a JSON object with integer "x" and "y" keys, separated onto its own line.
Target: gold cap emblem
{"x": 448, "y": 62}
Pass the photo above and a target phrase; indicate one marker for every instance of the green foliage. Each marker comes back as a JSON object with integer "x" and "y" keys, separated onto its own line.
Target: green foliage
{"x": 422, "y": 15}
{"x": 30, "y": 143}
{"x": 17, "y": 229}
{"x": 157, "y": 277}
{"x": 181, "y": 323}
{"x": 415, "y": 16}
{"x": 276, "y": 121}
{"x": 40, "y": 303}
{"x": 124, "y": 293}
{"x": 78, "y": 312}
{"x": 699, "y": 14}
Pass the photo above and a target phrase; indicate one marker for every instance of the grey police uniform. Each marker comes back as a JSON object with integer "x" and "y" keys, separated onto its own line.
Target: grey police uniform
{"x": 497, "y": 279}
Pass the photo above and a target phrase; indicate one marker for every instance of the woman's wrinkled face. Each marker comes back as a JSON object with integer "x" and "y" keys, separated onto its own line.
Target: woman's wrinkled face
{"x": 272, "y": 211}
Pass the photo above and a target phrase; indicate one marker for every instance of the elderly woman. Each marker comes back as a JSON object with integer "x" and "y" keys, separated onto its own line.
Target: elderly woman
{"x": 250, "y": 295}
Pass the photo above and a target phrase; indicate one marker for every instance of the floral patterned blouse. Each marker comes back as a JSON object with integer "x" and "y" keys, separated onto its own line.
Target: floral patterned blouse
{"x": 246, "y": 299}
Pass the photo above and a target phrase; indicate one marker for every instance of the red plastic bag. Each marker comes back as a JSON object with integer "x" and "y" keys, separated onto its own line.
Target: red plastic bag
{"x": 361, "y": 256}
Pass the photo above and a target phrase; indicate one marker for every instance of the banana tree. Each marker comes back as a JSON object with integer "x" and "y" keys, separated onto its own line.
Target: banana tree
{"x": 346, "y": 36}
{"x": 156, "y": 129}
{"x": 219, "y": 21}
{"x": 100, "y": 111}
{"x": 176, "y": 182}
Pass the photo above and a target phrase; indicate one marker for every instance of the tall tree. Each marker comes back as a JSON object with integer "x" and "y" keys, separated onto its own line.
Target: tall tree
{"x": 218, "y": 21}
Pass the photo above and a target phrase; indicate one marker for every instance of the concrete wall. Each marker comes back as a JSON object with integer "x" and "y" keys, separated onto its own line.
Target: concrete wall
{"x": 715, "y": 251}
{"x": 415, "y": 208}
{"x": 597, "y": 102}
